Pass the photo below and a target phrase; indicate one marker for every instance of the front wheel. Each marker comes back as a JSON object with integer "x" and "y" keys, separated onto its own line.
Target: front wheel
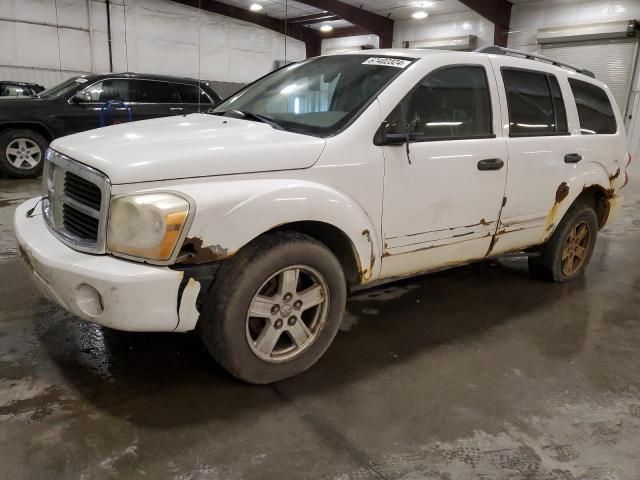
{"x": 275, "y": 308}
{"x": 22, "y": 153}
{"x": 567, "y": 253}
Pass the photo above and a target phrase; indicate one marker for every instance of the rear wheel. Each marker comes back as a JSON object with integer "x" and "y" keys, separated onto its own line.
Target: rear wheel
{"x": 22, "y": 153}
{"x": 275, "y": 308}
{"x": 567, "y": 253}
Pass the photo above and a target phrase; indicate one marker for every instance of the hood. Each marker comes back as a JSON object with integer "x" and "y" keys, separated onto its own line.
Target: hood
{"x": 19, "y": 103}
{"x": 196, "y": 145}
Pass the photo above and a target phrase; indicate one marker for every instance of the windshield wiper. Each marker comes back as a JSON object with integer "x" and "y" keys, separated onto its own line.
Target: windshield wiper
{"x": 249, "y": 115}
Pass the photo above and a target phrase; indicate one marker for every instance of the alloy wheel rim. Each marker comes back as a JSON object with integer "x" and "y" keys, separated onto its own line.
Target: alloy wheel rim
{"x": 576, "y": 249}
{"x": 23, "y": 154}
{"x": 287, "y": 314}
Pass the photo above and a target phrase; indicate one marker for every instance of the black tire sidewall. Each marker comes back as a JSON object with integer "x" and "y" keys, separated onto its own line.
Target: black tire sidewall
{"x": 226, "y": 307}
{"x": 13, "y": 134}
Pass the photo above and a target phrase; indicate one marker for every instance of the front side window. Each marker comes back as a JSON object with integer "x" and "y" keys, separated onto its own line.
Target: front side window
{"x": 191, "y": 94}
{"x": 535, "y": 103}
{"x": 150, "y": 91}
{"x": 450, "y": 103}
{"x": 317, "y": 97}
{"x": 71, "y": 85}
{"x": 594, "y": 108}
{"x": 110, "y": 89}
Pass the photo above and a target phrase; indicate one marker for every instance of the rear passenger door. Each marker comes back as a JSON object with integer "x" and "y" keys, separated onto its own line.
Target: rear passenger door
{"x": 155, "y": 99}
{"x": 541, "y": 151}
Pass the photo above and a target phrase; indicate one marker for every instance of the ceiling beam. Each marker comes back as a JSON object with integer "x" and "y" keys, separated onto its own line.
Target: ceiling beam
{"x": 496, "y": 11}
{"x": 315, "y": 18}
{"x": 310, "y": 37}
{"x": 369, "y": 21}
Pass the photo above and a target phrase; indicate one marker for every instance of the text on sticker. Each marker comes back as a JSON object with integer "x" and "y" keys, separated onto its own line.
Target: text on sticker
{"x": 389, "y": 62}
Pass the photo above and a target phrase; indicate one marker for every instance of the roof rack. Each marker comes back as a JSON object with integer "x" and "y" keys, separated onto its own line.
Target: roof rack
{"x": 496, "y": 50}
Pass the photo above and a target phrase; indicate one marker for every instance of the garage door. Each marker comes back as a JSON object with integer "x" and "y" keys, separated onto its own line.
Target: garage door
{"x": 612, "y": 61}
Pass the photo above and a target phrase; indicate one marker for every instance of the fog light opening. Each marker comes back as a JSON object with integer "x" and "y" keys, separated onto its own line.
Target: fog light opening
{"x": 89, "y": 300}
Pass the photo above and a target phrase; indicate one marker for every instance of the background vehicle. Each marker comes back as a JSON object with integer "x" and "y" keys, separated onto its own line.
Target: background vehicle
{"x": 251, "y": 224}
{"x": 19, "y": 89}
{"x": 27, "y": 125}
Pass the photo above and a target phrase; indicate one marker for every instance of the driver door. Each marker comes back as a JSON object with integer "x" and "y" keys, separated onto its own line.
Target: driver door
{"x": 443, "y": 191}
{"x": 82, "y": 116}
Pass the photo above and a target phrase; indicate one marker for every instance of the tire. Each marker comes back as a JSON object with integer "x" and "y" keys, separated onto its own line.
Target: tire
{"x": 22, "y": 153}
{"x": 240, "y": 342}
{"x": 550, "y": 265}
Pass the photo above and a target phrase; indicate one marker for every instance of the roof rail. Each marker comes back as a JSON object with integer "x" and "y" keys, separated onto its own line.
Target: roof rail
{"x": 496, "y": 50}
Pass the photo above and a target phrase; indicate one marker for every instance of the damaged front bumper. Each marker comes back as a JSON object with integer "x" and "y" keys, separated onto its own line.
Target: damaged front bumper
{"x": 116, "y": 293}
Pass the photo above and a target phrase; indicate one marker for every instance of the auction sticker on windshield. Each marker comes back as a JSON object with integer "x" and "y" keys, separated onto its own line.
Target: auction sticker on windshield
{"x": 389, "y": 62}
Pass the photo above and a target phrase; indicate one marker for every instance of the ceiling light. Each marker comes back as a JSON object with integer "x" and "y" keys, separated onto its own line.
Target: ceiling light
{"x": 420, "y": 14}
{"x": 466, "y": 26}
{"x": 255, "y": 7}
{"x": 326, "y": 28}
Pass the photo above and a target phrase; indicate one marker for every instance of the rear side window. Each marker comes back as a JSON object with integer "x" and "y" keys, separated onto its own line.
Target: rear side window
{"x": 450, "y": 103}
{"x": 13, "y": 90}
{"x": 189, "y": 94}
{"x": 150, "y": 91}
{"x": 594, "y": 109}
{"x": 535, "y": 103}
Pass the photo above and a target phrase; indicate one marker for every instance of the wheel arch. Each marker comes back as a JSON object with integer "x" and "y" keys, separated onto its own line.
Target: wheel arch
{"x": 594, "y": 187}
{"x": 237, "y": 213}
{"x": 335, "y": 240}
{"x": 35, "y": 126}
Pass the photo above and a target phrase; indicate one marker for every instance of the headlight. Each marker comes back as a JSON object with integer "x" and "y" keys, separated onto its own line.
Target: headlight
{"x": 147, "y": 226}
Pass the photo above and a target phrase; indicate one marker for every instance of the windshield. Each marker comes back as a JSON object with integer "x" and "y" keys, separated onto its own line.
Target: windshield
{"x": 317, "y": 97}
{"x": 63, "y": 88}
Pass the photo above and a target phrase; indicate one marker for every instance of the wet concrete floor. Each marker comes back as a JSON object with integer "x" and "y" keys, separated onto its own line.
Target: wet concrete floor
{"x": 474, "y": 373}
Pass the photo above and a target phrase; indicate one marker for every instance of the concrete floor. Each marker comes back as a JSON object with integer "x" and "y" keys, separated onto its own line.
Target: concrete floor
{"x": 474, "y": 373}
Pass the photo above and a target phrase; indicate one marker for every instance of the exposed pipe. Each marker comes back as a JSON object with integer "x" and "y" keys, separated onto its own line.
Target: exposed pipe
{"x": 90, "y": 23}
{"x": 108, "y": 5}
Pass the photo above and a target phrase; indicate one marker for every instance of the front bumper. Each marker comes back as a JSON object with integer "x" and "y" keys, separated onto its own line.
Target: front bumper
{"x": 116, "y": 293}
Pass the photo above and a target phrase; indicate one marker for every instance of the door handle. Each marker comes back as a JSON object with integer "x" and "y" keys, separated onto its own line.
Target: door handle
{"x": 176, "y": 109}
{"x": 572, "y": 158}
{"x": 490, "y": 164}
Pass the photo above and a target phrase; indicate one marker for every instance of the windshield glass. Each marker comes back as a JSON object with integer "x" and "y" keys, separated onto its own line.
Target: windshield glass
{"x": 319, "y": 96}
{"x": 63, "y": 88}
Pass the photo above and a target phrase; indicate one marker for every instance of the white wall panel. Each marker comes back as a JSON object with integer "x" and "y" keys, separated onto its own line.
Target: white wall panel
{"x": 337, "y": 44}
{"x": 155, "y": 36}
{"x": 74, "y": 50}
{"x": 527, "y": 18}
{"x": 444, "y": 26}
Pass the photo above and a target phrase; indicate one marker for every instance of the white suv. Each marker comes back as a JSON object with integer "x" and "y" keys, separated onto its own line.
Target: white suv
{"x": 251, "y": 223}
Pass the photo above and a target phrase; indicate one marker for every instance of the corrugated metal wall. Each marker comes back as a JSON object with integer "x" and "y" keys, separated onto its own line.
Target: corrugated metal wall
{"x": 160, "y": 37}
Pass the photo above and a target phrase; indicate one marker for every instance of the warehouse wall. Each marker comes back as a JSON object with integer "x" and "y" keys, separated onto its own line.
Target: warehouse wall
{"x": 160, "y": 37}
{"x": 444, "y": 26}
{"x": 336, "y": 44}
{"x": 526, "y": 19}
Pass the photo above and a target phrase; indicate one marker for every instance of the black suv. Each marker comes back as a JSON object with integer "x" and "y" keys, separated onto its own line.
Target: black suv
{"x": 13, "y": 89}
{"x": 27, "y": 125}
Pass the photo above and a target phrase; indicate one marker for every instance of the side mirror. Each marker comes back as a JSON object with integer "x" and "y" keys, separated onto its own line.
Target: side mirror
{"x": 82, "y": 96}
{"x": 383, "y": 137}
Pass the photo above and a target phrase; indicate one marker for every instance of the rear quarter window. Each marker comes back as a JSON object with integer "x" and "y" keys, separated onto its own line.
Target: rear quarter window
{"x": 594, "y": 108}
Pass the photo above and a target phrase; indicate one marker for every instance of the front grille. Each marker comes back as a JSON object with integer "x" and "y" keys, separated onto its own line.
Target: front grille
{"x": 80, "y": 224}
{"x": 82, "y": 190}
{"x": 76, "y": 202}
